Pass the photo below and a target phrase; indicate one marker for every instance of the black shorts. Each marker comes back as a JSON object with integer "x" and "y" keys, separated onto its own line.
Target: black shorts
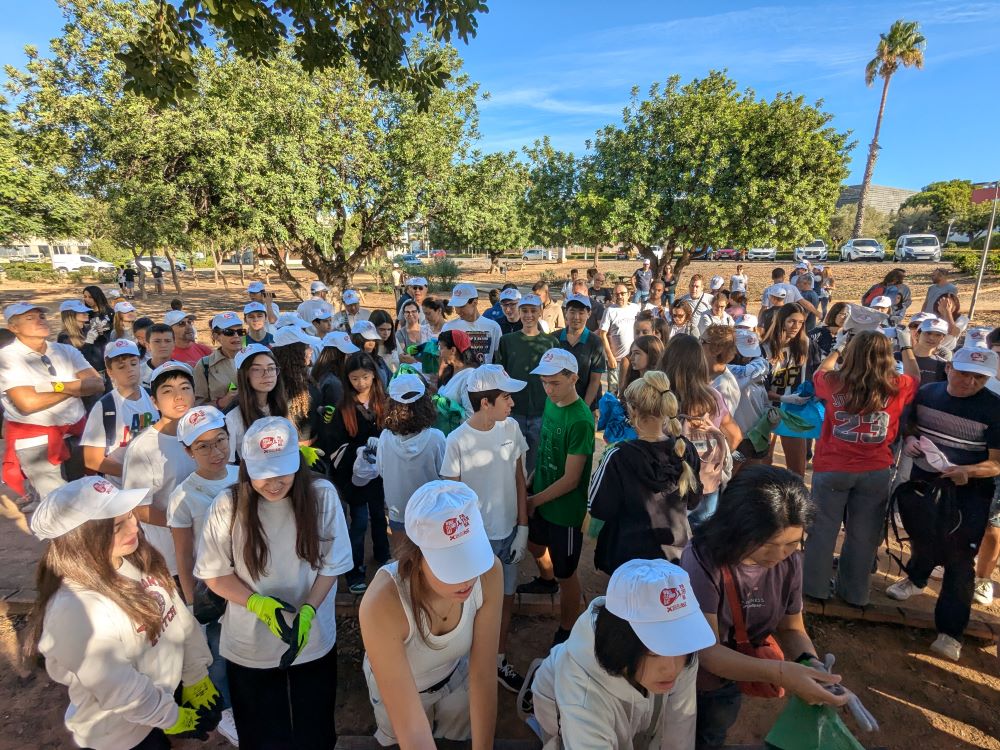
{"x": 563, "y": 542}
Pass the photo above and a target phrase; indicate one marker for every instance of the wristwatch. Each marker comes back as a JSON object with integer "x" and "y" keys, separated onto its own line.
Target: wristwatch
{"x": 58, "y": 386}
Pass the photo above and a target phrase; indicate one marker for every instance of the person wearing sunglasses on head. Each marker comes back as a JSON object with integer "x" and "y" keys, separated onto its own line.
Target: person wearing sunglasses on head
{"x": 215, "y": 374}
{"x": 42, "y": 384}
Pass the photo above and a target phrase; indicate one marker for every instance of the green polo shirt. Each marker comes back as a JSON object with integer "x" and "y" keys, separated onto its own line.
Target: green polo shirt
{"x": 519, "y": 354}
{"x": 566, "y": 431}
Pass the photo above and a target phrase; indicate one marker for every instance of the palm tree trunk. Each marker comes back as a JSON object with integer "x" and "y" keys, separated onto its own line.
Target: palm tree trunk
{"x": 870, "y": 166}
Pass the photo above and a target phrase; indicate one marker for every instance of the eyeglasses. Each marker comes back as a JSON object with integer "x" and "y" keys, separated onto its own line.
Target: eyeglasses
{"x": 418, "y": 287}
{"x": 263, "y": 371}
{"x": 48, "y": 364}
{"x": 233, "y": 332}
{"x": 220, "y": 444}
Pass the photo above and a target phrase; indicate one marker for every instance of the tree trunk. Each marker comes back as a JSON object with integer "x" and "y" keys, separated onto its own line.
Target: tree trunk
{"x": 562, "y": 253}
{"x": 243, "y": 279}
{"x": 173, "y": 270}
{"x": 870, "y": 165}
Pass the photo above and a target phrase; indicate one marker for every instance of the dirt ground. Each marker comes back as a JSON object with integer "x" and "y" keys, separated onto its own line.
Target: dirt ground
{"x": 920, "y": 700}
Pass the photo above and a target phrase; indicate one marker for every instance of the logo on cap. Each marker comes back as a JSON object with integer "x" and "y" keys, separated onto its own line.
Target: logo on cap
{"x": 547, "y": 357}
{"x": 977, "y": 356}
{"x": 196, "y": 417}
{"x": 272, "y": 443}
{"x": 104, "y": 487}
{"x": 120, "y": 343}
{"x": 750, "y": 339}
{"x": 673, "y": 598}
{"x": 455, "y": 528}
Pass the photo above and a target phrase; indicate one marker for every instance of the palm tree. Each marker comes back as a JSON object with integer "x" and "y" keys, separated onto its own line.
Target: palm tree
{"x": 902, "y": 46}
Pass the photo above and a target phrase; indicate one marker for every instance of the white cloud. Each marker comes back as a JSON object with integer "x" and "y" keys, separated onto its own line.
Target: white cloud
{"x": 541, "y": 99}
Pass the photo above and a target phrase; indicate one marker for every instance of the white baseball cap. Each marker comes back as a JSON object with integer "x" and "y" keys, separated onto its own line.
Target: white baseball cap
{"x": 510, "y": 295}
{"x": 197, "y": 421}
{"x": 314, "y": 309}
{"x": 73, "y": 305}
{"x": 443, "y": 519}
{"x": 881, "y": 301}
{"x": 253, "y": 307}
{"x": 289, "y": 319}
{"x": 530, "y": 299}
{"x": 977, "y": 337}
{"x": 555, "y": 361}
{"x": 747, "y": 342}
{"x": 350, "y": 297}
{"x": 120, "y": 348}
{"x": 580, "y": 299}
{"x": 933, "y": 325}
{"x": 803, "y": 265}
{"x": 255, "y": 287}
{"x": 920, "y": 317}
{"x": 318, "y": 286}
{"x": 171, "y": 365}
{"x": 112, "y": 293}
{"x": 976, "y": 360}
{"x": 416, "y": 281}
{"x": 860, "y": 318}
{"x": 225, "y": 320}
{"x": 340, "y": 340}
{"x": 124, "y": 307}
{"x": 463, "y": 294}
{"x": 406, "y": 388}
{"x": 20, "y": 308}
{"x": 173, "y": 317}
{"x": 87, "y": 499}
{"x": 249, "y": 352}
{"x": 270, "y": 448}
{"x": 747, "y": 320}
{"x": 716, "y": 283}
{"x": 289, "y": 335}
{"x": 367, "y": 330}
{"x": 655, "y": 597}
{"x": 777, "y": 291}
{"x": 493, "y": 378}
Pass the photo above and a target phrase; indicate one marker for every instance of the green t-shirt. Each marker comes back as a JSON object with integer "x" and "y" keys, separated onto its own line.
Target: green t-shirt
{"x": 566, "y": 431}
{"x": 519, "y": 354}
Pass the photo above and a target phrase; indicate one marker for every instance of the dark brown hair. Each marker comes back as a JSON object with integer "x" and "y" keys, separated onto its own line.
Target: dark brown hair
{"x": 294, "y": 374}
{"x": 685, "y": 365}
{"x": 409, "y": 419}
{"x": 249, "y": 410}
{"x": 654, "y": 353}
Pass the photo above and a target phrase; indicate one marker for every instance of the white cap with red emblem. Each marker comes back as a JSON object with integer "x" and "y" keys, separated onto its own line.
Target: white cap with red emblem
{"x": 79, "y": 501}
{"x": 271, "y": 448}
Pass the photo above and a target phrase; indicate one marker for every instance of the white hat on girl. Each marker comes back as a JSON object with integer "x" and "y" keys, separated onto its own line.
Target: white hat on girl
{"x": 340, "y": 340}
{"x": 249, "y": 352}
{"x": 75, "y": 503}
{"x": 124, "y": 307}
{"x": 406, "y": 388}
{"x": 197, "y": 421}
{"x": 271, "y": 448}
{"x": 747, "y": 343}
{"x": 367, "y": 330}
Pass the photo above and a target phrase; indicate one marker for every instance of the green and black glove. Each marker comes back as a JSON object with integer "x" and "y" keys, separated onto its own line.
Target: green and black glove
{"x": 268, "y": 610}
{"x": 301, "y": 627}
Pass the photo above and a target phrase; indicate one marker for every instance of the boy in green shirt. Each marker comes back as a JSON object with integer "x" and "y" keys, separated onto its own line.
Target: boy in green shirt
{"x": 562, "y": 474}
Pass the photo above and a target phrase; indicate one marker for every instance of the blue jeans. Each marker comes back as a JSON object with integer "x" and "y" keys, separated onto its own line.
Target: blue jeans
{"x": 531, "y": 428}
{"x": 717, "y": 712}
{"x": 640, "y": 297}
{"x": 217, "y": 669}
{"x": 360, "y": 515}
{"x": 705, "y": 510}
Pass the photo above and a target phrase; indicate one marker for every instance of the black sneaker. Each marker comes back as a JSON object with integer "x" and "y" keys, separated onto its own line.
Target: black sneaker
{"x": 539, "y": 585}
{"x": 560, "y": 637}
{"x": 508, "y": 677}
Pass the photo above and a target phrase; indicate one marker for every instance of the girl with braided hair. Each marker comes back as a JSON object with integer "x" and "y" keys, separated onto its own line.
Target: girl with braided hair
{"x": 643, "y": 488}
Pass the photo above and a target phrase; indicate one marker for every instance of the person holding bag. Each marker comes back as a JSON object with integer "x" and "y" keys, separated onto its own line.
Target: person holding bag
{"x": 746, "y": 572}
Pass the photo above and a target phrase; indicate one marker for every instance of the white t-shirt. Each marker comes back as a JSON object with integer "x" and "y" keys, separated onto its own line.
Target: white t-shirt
{"x": 457, "y": 388}
{"x": 707, "y": 319}
{"x": 702, "y": 304}
{"x": 245, "y": 639}
{"x": 738, "y": 282}
{"x": 236, "y": 430}
{"x": 191, "y": 499}
{"x": 20, "y": 365}
{"x": 486, "y": 462}
{"x": 727, "y": 385}
{"x": 484, "y": 334}
{"x": 619, "y": 324}
{"x": 132, "y": 417}
{"x": 159, "y": 462}
{"x": 120, "y": 684}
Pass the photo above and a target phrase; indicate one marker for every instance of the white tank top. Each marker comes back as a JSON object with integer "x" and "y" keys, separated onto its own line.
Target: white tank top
{"x": 433, "y": 657}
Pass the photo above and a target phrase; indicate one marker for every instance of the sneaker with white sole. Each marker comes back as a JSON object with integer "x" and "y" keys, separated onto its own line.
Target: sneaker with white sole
{"x": 983, "y": 592}
{"x": 227, "y": 727}
{"x": 508, "y": 677}
{"x": 947, "y": 647}
{"x": 903, "y": 589}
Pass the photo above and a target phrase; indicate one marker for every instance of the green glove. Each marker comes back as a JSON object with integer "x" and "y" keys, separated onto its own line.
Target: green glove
{"x": 188, "y": 724}
{"x": 268, "y": 610}
{"x": 201, "y": 695}
{"x": 301, "y": 627}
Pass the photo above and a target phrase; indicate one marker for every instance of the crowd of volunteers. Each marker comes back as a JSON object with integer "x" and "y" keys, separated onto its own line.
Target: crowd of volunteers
{"x": 202, "y": 501}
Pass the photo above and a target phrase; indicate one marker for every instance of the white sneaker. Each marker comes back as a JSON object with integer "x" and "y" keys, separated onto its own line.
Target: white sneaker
{"x": 983, "y": 593}
{"x": 947, "y": 647}
{"x": 227, "y": 727}
{"x": 902, "y": 590}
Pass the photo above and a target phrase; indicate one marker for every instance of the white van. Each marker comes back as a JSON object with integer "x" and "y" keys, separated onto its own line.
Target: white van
{"x": 917, "y": 247}
{"x": 67, "y": 262}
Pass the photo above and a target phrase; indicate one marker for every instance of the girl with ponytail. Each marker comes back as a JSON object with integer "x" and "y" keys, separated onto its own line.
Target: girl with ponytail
{"x": 643, "y": 488}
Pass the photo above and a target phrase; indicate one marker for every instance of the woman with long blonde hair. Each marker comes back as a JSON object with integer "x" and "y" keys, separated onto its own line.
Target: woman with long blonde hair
{"x": 786, "y": 346}
{"x": 643, "y": 488}
{"x": 864, "y": 400}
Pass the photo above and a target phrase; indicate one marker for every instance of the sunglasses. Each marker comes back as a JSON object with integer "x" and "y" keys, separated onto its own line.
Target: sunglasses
{"x": 233, "y": 332}
{"x": 48, "y": 364}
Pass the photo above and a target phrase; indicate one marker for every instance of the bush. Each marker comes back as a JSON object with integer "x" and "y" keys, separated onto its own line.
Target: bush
{"x": 441, "y": 273}
{"x": 32, "y": 272}
{"x": 969, "y": 262}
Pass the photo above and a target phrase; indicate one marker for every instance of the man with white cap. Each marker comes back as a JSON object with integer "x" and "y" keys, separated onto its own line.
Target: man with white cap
{"x": 509, "y": 319}
{"x": 558, "y": 504}
{"x": 318, "y": 315}
{"x": 121, "y": 414}
{"x": 439, "y": 662}
{"x": 186, "y": 348}
{"x": 955, "y": 435}
{"x": 215, "y": 374}
{"x": 257, "y": 292}
{"x": 482, "y": 332}
{"x": 778, "y": 282}
{"x": 642, "y": 278}
{"x": 416, "y": 289}
{"x": 42, "y": 385}
{"x": 352, "y": 312}
{"x": 487, "y": 453}
{"x": 318, "y": 290}
{"x": 626, "y": 676}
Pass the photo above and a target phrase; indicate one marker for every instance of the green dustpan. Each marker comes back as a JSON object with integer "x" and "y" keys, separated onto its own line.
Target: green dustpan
{"x": 804, "y": 727}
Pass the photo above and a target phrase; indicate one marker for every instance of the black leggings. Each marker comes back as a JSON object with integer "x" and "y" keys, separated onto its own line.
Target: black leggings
{"x": 285, "y": 709}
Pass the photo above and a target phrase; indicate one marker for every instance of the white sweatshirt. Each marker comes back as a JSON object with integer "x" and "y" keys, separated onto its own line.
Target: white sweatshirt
{"x": 406, "y": 462}
{"x": 121, "y": 686}
{"x": 578, "y": 702}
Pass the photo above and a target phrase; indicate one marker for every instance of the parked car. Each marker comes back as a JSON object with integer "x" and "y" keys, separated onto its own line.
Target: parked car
{"x": 762, "y": 253}
{"x": 537, "y": 253}
{"x": 917, "y": 247}
{"x": 815, "y": 250}
{"x": 863, "y": 248}
{"x": 726, "y": 253}
{"x": 408, "y": 259}
{"x": 67, "y": 262}
{"x": 162, "y": 263}
{"x": 438, "y": 254}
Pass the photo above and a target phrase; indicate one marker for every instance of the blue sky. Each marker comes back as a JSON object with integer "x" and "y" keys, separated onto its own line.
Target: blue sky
{"x": 565, "y": 69}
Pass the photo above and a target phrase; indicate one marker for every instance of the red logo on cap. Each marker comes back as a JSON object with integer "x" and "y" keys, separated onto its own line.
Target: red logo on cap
{"x": 196, "y": 417}
{"x": 977, "y": 356}
{"x": 674, "y": 597}
{"x": 104, "y": 487}
{"x": 547, "y": 357}
{"x": 272, "y": 443}
{"x": 455, "y": 528}
{"x": 120, "y": 343}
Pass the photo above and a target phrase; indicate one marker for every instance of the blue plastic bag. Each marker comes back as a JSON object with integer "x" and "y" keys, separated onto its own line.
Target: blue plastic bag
{"x": 808, "y": 416}
{"x": 614, "y": 420}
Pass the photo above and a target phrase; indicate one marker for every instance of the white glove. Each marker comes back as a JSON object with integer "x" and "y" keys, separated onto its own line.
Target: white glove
{"x": 519, "y": 545}
{"x": 904, "y": 338}
{"x": 372, "y": 444}
{"x": 841, "y": 341}
{"x": 792, "y": 398}
{"x": 363, "y": 471}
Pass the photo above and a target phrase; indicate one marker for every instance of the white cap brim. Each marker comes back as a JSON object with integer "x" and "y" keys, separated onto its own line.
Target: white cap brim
{"x": 678, "y": 637}
{"x": 974, "y": 368}
{"x": 50, "y": 521}
{"x": 748, "y": 351}
{"x": 461, "y": 562}
{"x": 276, "y": 466}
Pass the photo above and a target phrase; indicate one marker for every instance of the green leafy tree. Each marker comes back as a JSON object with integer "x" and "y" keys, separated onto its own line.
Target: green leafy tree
{"x": 550, "y": 203}
{"x": 912, "y": 219}
{"x": 949, "y": 202}
{"x": 903, "y": 46}
{"x": 160, "y": 61}
{"x": 877, "y": 224}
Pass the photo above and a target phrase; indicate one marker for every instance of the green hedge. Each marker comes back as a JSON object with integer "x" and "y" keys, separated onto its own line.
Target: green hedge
{"x": 968, "y": 262}
{"x": 32, "y": 272}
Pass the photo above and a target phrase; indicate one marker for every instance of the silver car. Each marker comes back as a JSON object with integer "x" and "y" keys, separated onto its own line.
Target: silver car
{"x": 917, "y": 247}
{"x": 815, "y": 250}
{"x": 863, "y": 248}
{"x": 762, "y": 253}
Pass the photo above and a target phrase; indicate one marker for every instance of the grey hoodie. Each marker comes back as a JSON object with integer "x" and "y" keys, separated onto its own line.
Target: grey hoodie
{"x": 407, "y": 462}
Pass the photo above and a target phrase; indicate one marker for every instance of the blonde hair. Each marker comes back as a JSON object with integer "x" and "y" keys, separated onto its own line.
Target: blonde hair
{"x": 650, "y": 396}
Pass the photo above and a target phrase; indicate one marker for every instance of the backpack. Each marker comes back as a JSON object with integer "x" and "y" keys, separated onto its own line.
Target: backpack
{"x": 109, "y": 413}
{"x": 876, "y": 291}
{"x": 713, "y": 450}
